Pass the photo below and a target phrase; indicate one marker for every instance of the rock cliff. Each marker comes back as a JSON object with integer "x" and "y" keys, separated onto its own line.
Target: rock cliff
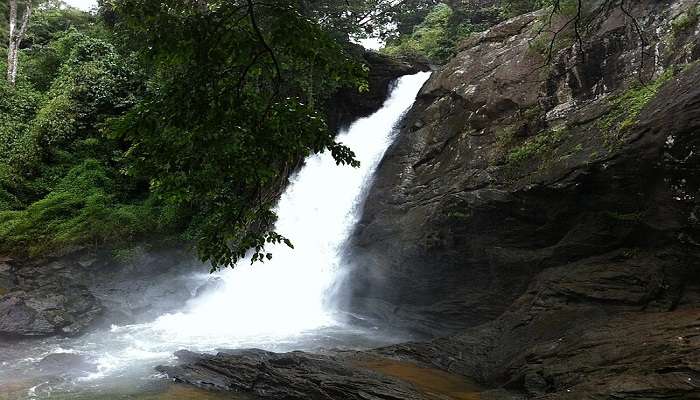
{"x": 548, "y": 211}
{"x": 508, "y": 166}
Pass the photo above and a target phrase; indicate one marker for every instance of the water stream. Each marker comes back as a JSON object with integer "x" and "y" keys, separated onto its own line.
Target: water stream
{"x": 281, "y": 305}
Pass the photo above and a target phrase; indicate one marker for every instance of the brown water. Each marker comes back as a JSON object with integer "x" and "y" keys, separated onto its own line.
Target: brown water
{"x": 182, "y": 392}
{"x": 163, "y": 390}
{"x": 434, "y": 383}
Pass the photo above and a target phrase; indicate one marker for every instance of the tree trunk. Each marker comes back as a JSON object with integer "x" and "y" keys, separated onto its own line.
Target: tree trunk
{"x": 16, "y": 36}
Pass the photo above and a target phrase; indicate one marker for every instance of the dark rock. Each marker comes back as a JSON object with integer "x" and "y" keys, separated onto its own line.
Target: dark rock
{"x": 578, "y": 332}
{"x": 529, "y": 213}
{"x": 7, "y": 277}
{"x": 288, "y": 376}
{"x": 50, "y": 310}
{"x": 454, "y": 230}
{"x": 16, "y": 318}
{"x": 71, "y": 294}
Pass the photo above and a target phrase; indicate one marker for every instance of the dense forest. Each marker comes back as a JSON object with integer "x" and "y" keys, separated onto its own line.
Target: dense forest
{"x": 179, "y": 121}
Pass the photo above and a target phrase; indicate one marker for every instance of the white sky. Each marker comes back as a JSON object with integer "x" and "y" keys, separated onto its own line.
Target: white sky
{"x": 82, "y": 4}
{"x": 371, "y": 43}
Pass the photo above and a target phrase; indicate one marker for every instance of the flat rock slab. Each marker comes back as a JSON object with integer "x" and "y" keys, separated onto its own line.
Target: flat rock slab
{"x": 289, "y": 376}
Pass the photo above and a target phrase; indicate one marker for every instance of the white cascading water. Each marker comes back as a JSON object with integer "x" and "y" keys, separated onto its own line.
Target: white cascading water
{"x": 285, "y": 296}
{"x": 275, "y": 305}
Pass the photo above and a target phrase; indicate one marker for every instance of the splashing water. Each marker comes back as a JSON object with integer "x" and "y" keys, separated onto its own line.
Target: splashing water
{"x": 280, "y": 305}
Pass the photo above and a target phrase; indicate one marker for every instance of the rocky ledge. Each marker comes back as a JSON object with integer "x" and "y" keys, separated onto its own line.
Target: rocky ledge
{"x": 289, "y": 376}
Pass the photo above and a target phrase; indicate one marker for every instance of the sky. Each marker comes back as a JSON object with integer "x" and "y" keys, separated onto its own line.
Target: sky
{"x": 82, "y": 4}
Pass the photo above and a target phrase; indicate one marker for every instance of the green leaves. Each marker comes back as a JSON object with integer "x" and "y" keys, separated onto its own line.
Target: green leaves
{"x": 81, "y": 211}
{"x": 184, "y": 120}
{"x": 230, "y": 112}
{"x": 434, "y": 38}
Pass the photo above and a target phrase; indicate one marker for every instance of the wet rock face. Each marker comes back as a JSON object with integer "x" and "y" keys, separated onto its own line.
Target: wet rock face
{"x": 7, "y": 277}
{"x": 290, "y": 376}
{"x": 71, "y": 294}
{"x": 612, "y": 326}
{"x": 547, "y": 217}
{"x": 504, "y": 168}
{"x": 49, "y": 310}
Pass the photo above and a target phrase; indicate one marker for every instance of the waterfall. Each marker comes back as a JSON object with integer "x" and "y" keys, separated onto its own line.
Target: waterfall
{"x": 285, "y": 296}
{"x": 279, "y": 305}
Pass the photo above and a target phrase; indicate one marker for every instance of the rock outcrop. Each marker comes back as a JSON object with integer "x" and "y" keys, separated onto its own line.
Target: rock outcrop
{"x": 68, "y": 295}
{"x": 547, "y": 214}
{"x": 612, "y": 326}
{"x": 506, "y": 167}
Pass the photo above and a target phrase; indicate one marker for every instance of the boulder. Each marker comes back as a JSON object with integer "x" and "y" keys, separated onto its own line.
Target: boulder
{"x": 48, "y": 311}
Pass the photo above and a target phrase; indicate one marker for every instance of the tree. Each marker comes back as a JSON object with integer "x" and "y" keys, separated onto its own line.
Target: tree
{"x": 232, "y": 107}
{"x": 362, "y": 18}
{"x": 16, "y": 34}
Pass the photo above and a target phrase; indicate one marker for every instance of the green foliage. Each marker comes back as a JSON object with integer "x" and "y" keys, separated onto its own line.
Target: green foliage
{"x": 60, "y": 184}
{"x": 625, "y": 107}
{"x": 231, "y": 107}
{"x": 434, "y": 38}
{"x": 18, "y": 105}
{"x": 685, "y": 22}
{"x": 541, "y": 144}
{"x": 555, "y": 30}
{"x": 411, "y": 14}
{"x": 546, "y": 45}
{"x": 363, "y": 18}
{"x": 513, "y": 8}
{"x": 171, "y": 119}
{"x": 52, "y": 19}
{"x": 81, "y": 210}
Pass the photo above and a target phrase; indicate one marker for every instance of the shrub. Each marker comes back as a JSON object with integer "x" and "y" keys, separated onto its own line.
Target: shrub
{"x": 81, "y": 210}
